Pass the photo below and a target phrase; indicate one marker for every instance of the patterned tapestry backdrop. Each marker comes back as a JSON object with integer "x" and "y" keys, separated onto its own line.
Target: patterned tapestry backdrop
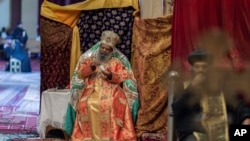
{"x": 91, "y": 24}
{"x": 55, "y": 53}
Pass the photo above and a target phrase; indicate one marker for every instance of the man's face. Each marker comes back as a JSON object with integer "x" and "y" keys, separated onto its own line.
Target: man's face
{"x": 105, "y": 49}
{"x": 105, "y": 53}
{"x": 199, "y": 67}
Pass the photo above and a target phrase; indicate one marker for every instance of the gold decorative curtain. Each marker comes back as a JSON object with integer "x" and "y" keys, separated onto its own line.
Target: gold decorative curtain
{"x": 151, "y": 61}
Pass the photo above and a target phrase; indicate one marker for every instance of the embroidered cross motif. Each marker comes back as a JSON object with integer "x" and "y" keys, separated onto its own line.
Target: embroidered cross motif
{"x": 108, "y": 39}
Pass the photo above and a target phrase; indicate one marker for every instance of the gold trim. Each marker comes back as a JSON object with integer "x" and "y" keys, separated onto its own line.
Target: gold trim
{"x": 214, "y": 116}
{"x": 83, "y": 118}
{"x": 69, "y": 14}
{"x": 119, "y": 122}
{"x": 200, "y": 136}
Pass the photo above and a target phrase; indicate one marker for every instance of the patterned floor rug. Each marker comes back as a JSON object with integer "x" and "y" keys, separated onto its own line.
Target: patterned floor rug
{"x": 19, "y": 102}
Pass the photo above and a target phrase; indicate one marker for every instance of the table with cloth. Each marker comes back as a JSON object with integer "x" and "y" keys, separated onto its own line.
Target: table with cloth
{"x": 54, "y": 104}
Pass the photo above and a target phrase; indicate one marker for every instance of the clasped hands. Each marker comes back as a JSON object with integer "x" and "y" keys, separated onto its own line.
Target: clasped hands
{"x": 105, "y": 73}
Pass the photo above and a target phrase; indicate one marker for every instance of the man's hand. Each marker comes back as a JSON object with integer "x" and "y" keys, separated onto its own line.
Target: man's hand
{"x": 94, "y": 64}
{"x": 246, "y": 121}
{"x": 198, "y": 80}
{"x": 106, "y": 74}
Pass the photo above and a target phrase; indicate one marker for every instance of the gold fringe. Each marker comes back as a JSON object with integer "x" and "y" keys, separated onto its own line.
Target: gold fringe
{"x": 83, "y": 118}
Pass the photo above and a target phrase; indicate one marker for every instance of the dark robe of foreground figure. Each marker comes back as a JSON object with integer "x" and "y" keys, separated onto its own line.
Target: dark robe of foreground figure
{"x": 203, "y": 113}
{"x": 188, "y": 114}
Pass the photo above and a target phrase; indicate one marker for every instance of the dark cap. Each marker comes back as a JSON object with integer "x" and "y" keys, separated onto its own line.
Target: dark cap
{"x": 199, "y": 55}
{"x": 19, "y": 22}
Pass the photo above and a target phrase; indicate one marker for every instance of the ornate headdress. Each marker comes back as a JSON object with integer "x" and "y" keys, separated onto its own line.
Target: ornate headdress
{"x": 110, "y": 38}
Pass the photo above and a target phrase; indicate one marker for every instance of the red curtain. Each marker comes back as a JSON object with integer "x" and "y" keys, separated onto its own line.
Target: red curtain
{"x": 192, "y": 17}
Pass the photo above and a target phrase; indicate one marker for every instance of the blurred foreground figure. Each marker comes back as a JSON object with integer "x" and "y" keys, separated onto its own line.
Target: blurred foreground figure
{"x": 201, "y": 111}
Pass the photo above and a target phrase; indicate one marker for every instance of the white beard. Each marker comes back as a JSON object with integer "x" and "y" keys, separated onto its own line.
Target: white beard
{"x": 104, "y": 57}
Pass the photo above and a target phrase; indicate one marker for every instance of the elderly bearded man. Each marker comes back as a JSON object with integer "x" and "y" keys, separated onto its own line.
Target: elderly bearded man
{"x": 102, "y": 110}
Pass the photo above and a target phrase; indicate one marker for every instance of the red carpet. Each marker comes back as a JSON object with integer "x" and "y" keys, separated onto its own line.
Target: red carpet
{"x": 2, "y": 65}
{"x": 19, "y": 103}
{"x": 11, "y": 95}
{"x": 12, "y": 121}
{"x": 38, "y": 140}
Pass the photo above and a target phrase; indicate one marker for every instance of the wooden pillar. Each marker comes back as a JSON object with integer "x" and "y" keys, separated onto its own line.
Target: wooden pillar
{"x": 16, "y": 9}
{"x": 38, "y": 16}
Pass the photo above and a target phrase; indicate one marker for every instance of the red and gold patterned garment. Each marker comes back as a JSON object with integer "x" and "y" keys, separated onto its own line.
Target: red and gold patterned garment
{"x": 103, "y": 112}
